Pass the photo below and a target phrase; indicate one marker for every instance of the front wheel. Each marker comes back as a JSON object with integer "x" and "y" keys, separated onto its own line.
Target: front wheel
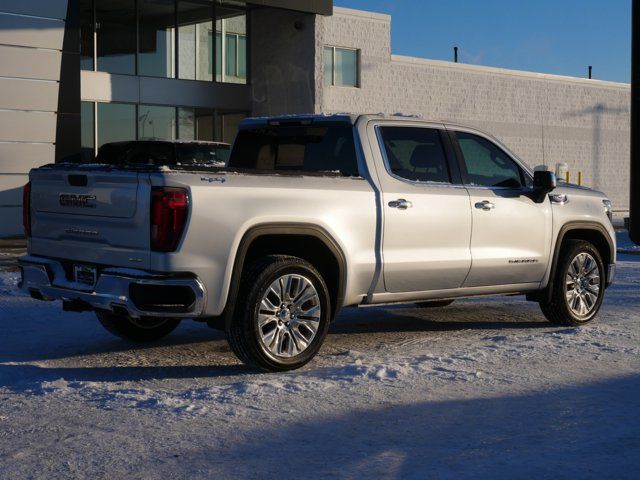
{"x": 578, "y": 286}
{"x": 138, "y": 330}
{"x": 283, "y": 314}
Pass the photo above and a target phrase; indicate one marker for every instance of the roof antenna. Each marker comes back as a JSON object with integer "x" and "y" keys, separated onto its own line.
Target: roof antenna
{"x": 455, "y": 54}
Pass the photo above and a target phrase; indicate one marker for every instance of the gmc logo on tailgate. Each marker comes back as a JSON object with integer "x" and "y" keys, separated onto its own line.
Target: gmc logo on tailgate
{"x": 78, "y": 201}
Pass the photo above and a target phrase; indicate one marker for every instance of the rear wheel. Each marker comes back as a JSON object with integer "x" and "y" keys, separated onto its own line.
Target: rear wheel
{"x": 147, "y": 329}
{"x": 578, "y": 286}
{"x": 435, "y": 304}
{"x": 283, "y": 314}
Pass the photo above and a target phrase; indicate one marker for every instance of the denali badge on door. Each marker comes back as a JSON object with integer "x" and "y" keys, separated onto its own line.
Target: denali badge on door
{"x": 85, "y": 275}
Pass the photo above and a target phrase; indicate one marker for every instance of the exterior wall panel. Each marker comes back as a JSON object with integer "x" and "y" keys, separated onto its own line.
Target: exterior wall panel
{"x": 18, "y": 126}
{"x": 11, "y": 190}
{"x": 22, "y": 157}
{"x": 40, "y": 8}
{"x": 20, "y": 94}
{"x": 31, "y": 32}
{"x": 20, "y": 62}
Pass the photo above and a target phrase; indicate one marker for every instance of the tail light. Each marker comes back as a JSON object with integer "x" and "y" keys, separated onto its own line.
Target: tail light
{"x": 169, "y": 211}
{"x": 26, "y": 209}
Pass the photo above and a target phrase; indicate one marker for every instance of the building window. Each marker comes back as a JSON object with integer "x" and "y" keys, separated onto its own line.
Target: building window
{"x": 116, "y": 122}
{"x": 121, "y": 122}
{"x": 156, "y": 123}
{"x": 87, "y": 131}
{"x": 86, "y": 35}
{"x": 156, "y": 38}
{"x": 231, "y": 45}
{"x": 195, "y": 28}
{"x": 341, "y": 67}
{"x": 116, "y": 36}
{"x": 165, "y": 38}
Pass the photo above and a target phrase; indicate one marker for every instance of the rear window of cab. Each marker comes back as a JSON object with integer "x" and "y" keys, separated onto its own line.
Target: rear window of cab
{"x": 296, "y": 149}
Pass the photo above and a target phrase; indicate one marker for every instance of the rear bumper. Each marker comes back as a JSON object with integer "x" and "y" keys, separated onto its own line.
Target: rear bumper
{"x": 136, "y": 292}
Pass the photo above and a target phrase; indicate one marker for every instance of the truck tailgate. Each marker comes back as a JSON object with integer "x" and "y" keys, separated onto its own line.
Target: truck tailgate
{"x": 91, "y": 215}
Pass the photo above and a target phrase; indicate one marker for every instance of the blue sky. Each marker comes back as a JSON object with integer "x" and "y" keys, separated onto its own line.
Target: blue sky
{"x": 560, "y": 36}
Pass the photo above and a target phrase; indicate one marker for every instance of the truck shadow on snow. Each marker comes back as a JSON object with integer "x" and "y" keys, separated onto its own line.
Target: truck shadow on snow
{"x": 582, "y": 431}
{"x": 95, "y": 349}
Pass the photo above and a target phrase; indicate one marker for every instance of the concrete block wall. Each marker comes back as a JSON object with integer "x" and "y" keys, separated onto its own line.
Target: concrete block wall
{"x": 282, "y": 48}
{"x": 544, "y": 119}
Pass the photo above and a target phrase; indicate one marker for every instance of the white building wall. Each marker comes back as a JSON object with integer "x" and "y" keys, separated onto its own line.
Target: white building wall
{"x": 31, "y": 43}
{"x": 542, "y": 118}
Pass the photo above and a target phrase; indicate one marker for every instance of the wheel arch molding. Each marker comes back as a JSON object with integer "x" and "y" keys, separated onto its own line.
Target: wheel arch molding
{"x": 592, "y": 232}
{"x": 259, "y": 240}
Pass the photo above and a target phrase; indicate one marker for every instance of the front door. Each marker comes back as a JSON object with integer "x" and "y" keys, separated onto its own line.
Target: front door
{"x": 427, "y": 216}
{"x": 511, "y": 235}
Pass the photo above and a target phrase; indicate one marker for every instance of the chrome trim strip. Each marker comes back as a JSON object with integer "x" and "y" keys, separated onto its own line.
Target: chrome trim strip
{"x": 111, "y": 290}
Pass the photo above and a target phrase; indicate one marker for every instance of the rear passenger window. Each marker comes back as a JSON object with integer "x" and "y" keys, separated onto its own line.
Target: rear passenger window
{"x": 314, "y": 149}
{"x": 487, "y": 165}
{"x": 416, "y": 154}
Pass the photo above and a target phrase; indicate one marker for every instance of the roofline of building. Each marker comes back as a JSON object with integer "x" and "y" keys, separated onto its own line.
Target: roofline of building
{"x": 509, "y": 72}
{"x": 364, "y": 14}
{"x": 320, "y": 7}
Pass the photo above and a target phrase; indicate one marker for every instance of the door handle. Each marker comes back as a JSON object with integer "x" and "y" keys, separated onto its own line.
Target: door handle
{"x": 401, "y": 204}
{"x": 486, "y": 206}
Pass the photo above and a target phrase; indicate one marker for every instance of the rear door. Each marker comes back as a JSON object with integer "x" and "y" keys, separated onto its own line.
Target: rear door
{"x": 427, "y": 215}
{"x": 92, "y": 215}
{"x": 511, "y": 236}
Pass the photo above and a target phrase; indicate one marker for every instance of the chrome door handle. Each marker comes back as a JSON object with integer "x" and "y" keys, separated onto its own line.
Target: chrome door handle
{"x": 486, "y": 206}
{"x": 401, "y": 204}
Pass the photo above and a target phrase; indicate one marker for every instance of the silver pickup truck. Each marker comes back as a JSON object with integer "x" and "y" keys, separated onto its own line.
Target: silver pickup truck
{"x": 312, "y": 214}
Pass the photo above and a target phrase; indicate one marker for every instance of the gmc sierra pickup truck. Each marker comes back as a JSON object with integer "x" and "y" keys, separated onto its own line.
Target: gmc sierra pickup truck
{"x": 312, "y": 214}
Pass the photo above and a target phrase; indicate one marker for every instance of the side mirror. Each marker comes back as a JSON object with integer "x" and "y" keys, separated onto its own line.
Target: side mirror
{"x": 544, "y": 182}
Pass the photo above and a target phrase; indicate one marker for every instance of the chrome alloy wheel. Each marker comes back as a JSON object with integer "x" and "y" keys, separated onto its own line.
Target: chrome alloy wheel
{"x": 289, "y": 316}
{"x": 583, "y": 284}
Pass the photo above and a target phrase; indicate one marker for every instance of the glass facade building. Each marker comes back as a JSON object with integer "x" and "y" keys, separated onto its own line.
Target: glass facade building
{"x": 172, "y": 40}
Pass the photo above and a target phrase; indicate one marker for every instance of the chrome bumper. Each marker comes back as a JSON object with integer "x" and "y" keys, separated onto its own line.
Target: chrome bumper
{"x": 46, "y": 279}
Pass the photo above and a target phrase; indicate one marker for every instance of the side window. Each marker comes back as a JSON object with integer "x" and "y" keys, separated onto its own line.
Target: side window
{"x": 487, "y": 165}
{"x": 416, "y": 154}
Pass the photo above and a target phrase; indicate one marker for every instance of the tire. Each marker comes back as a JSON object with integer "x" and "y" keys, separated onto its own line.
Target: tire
{"x": 141, "y": 330}
{"x": 272, "y": 325}
{"x": 435, "y": 304}
{"x": 563, "y": 307}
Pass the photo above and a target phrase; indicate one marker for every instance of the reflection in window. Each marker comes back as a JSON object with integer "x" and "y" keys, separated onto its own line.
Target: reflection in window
{"x": 341, "y": 67}
{"x": 87, "y": 132}
{"x": 196, "y": 124}
{"x": 86, "y": 34}
{"x": 231, "y": 46}
{"x": 195, "y": 32}
{"x": 116, "y": 36}
{"x": 156, "y": 38}
{"x": 416, "y": 154}
{"x": 156, "y": 123}
{"x": 116, "y": 122}
{"x": 487, "y": 165}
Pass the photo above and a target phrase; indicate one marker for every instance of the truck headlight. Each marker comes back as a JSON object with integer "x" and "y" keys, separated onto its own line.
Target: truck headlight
{"x": 608, "y": 209}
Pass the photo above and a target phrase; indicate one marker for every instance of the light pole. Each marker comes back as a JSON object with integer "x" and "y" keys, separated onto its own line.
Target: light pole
{"x": 634, "y": 203}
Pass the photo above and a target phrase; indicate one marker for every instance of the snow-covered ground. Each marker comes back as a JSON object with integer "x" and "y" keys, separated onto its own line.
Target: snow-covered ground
{"x": 482, "y": 389}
